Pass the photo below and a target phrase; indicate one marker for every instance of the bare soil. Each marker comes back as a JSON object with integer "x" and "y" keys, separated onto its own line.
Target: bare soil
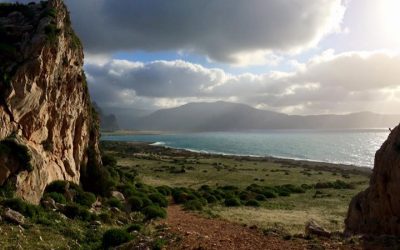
{"x": 198, "y": 232}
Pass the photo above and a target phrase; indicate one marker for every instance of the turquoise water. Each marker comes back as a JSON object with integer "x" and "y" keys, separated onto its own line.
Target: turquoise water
{"x": 355, "y": 147}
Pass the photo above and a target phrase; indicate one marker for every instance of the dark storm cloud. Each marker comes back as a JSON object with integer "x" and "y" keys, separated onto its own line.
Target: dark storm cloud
{"x": 219, "y": 29}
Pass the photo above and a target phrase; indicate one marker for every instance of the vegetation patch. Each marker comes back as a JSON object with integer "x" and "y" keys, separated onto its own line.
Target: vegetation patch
{"x": 115, "y": 237}
{"x": 10, "y": 147}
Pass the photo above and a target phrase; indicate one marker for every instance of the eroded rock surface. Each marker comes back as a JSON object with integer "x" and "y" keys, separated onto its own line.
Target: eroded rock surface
{"x": 376, "y": 210}
{"x": 44, "y": 101}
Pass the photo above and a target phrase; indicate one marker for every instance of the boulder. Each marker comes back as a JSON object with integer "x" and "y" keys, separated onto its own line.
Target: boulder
{"x": 376, "y": 211}
{"x": 48, "y": 203}
{"x": 118, "y": 195}
{"x": 13, "y": 216}
{"x": 313, "y": 228}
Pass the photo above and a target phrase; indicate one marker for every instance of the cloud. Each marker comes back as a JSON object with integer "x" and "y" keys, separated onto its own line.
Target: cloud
{"x": 223, "y": 30}
{"x": 327, "y": 83}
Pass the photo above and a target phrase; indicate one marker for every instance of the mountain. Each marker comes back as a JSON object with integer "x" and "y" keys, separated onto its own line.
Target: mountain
{"x": 225, "y": 116}
{"x": 48, "y": 128}
{"x": 107, "y": 122}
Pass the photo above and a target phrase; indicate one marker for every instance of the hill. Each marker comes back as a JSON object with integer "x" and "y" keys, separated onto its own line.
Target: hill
{"x": 225, "y": 116}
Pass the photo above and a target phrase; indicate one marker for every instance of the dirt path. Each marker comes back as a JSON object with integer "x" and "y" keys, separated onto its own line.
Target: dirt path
{"x": 202, "y": 233}
{"x": 199, "y": 233}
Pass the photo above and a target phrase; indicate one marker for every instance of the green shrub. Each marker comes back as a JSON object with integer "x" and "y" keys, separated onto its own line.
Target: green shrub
{"x": 294, "y": 189}
{"x": 180, "y": 196}
{"x": 158, "y": 199}
{"x": 269, "y": 194}
{"x": 85, "y": 199}
{"x": 52, "y": 32}
{"x": 24, "y": 208}
{"x": 115, "y": 237}
{"x": 153, "y": 212}
{"x": 252, "y": 203}
{"x": 10, "y": 147}
{"x": 56, "y": 186}
{"x": 57, "y": 197}
{"x": 114, "y": 202}
{"x": 193, "y": 205}
{"x": 7, "y": 190}
{"x": 260, "y": 197}
{"x": 105, "y": 217}
{"x": 146, "y": 201}
{"x": 164, "y": 190}
{"x": 283, "y": 192}
{"x": 74, "y": 211}
{"x": 212, "y": 199}
{"x": 159, "y": 244}
{"x": 135, "y": 202}
{"x": 94, "y": 177}
{"x": 134, "y": 227}
{"x": 108, "y": 160}
{"x": 232, "y": 202}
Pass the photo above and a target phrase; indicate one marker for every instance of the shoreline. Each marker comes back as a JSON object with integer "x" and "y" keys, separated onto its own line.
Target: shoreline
{"x": 316, "y": 165}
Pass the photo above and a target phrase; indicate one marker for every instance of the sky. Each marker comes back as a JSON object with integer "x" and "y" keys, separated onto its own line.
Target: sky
{"x": 291, "y": 56}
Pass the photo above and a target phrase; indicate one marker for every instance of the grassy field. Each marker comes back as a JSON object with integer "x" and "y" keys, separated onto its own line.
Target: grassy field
{"x": 158, "y": 166}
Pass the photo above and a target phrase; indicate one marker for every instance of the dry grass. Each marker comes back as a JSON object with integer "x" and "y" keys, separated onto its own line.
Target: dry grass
{"x": 287, "y": 221}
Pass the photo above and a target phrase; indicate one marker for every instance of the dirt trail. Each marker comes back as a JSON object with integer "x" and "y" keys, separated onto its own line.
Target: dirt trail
{"x": 203, "y": 233}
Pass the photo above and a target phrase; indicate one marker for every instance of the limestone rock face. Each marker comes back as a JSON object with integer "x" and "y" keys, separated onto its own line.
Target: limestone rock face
{"x": 44, "y": 101}
{"x": 376, "y": 210}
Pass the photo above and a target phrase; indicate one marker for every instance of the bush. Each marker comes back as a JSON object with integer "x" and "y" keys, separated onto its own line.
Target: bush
{"x": 294, "y": 189}
{"x": 56, "y": 187}
{"x": 269, "y": 194}
{"x": 164, "y": 190}
{"x": 136, "y": 203}
{"x": 159, "y": 244}
{"x": 244, "y": 196}
{"x": 19, "y": 151}
{"x": 146, "y": 201}
{"x": 108, "y": 160}
{"x": 158, "y": 199}
{"x": 260, "y": 197}
{"x": 94, "y": 177}
{"x": 212, "y": 199}
{"x": 180, "y": 196}
{"x": 193, "y": 205}
{"x": 21, "y": 206}
{"x": 52, "y": 32}
{"x": 153, "y": 212}
{"x": 252, "y": 203}
{"x": 232, "y": 202}
{"x": 105, "y": 217}
{"x": 74, "y": 211}
{"x": 114, "y": 202}
{"x": 134, "y": 227}
{"x": 115, "y": 237}
{"x": 57, "y": 197}
{"x": 85, "y": 199}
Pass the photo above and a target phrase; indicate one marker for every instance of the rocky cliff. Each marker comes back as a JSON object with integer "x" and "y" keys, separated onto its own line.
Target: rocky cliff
{"x": 48, "y": 129}
{"x": 377, "y": 209}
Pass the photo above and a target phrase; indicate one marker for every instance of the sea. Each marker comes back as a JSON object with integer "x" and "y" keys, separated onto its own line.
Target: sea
{"x": 350, "y": 147}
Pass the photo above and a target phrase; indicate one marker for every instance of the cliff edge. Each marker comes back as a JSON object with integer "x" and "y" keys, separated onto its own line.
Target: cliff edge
{"x": 376, "y": 210}
{"x": 48, "y": 128}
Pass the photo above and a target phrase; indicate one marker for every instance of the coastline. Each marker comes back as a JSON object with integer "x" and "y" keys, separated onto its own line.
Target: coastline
{"x": 310, "y": 164}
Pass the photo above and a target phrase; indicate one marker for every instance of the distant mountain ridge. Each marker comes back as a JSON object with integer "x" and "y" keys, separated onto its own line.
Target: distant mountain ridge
{"x": 226, "y": 116}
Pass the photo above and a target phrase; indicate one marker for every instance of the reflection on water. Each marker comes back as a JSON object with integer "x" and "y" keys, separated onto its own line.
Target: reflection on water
{"x": 356, "y": 147}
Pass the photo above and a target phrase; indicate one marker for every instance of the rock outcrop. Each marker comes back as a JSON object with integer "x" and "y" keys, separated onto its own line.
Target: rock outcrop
{"x": 48, "y": 128}
{"x": 376, "y": 210}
